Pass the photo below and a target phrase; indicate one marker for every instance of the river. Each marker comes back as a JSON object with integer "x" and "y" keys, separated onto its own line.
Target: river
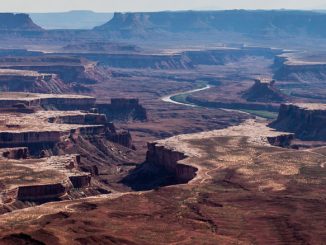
{"x": 169, "y": 98}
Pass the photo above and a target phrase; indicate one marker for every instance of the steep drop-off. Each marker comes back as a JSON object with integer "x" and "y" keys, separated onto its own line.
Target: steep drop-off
{"x": 307, "y": 121}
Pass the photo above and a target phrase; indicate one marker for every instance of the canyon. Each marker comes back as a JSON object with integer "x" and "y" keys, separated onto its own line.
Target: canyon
{"x": 185, "y": 127}
{"x": 233, "y": 173}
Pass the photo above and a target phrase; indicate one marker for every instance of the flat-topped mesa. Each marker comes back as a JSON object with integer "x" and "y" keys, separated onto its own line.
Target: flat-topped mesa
{"x": 47, "y": 101}
{"x": 122, "y": 109}
{"x": 17, "y": 22}
{"x": 264, "y": 91}
{"x": 307, "y": 121}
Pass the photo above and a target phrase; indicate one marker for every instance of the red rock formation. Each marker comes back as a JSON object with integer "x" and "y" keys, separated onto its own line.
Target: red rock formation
{"x": 169, "y": 159}
{"x": 263, "y": 91}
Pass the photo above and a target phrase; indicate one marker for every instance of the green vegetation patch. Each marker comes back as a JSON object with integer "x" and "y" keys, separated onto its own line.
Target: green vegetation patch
{"x": 264, "y": 114}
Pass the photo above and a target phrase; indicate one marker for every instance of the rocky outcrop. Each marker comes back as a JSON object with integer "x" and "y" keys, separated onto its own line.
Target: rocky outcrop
{"x": 307, "y": 121}
{"x": 169, "y": 159}
{"x": 15, "y": 153}
{"x": 263, "y": 91}
{"x": 123, "y": 109}
{"x": 281, "y": 140}
{"x": 39, "y": 193}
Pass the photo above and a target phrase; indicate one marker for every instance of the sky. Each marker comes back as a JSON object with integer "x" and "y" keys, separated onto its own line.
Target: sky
{"x": 29, "y": 6}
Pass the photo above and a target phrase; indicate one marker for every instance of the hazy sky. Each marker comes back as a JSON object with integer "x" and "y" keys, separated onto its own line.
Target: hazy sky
{"x": 152, "y": 5}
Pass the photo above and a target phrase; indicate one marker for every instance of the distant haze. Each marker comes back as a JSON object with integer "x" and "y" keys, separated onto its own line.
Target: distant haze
{"x": 39, "y": 6}
{"x": 70, "y": 20}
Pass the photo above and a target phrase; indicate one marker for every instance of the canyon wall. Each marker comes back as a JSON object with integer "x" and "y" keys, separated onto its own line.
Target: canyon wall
{"x": 44, "y": 192}
{"x": 307, "y": 121}
{"x": 123, "y": 110}
{"x": 142, "y": 61}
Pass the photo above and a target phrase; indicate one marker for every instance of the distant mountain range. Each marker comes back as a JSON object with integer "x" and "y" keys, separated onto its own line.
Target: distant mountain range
{"x": 71, "y": 20}
{"x": 249, "y": 23}
{"x": 233, "y": 26}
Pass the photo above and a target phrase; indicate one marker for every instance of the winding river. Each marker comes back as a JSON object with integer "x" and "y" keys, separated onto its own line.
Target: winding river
{"x": 169, "y": 98}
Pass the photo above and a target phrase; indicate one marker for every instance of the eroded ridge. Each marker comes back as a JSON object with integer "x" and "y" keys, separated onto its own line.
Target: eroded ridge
{"x": 49, "y": 153}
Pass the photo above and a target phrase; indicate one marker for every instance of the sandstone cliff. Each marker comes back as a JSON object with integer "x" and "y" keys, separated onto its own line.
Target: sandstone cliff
{"x": 307, "y": 121}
